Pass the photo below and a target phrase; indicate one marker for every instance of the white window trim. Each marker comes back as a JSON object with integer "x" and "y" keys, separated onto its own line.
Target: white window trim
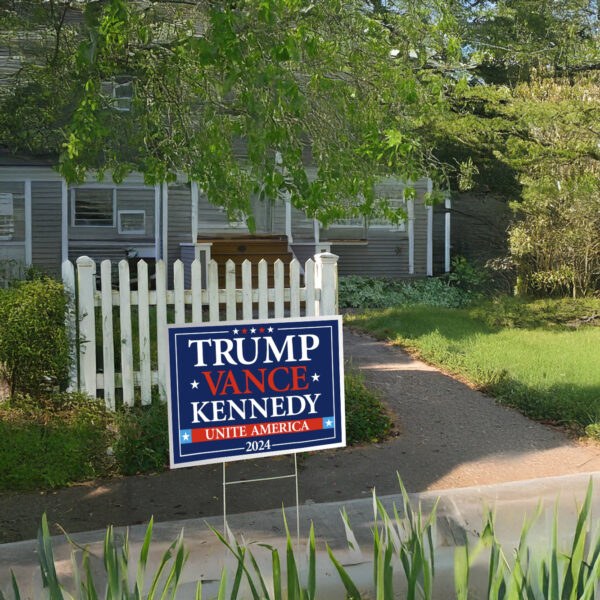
{"x": 240, "y": 224}
{"x": 94, "y": 187}
{"x": 401, "y": 225}
{"x": 7, "y": 237}
{"x": 115, "y": 87}
{"x": 131, "y": 231}
{"x": 346, "y": 224}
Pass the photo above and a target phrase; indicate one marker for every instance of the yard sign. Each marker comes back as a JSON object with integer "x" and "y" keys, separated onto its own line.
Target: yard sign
{"x": 240, "y": 390}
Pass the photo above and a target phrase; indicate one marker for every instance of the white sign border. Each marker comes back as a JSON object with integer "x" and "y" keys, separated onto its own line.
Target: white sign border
{"x": 252, "y": 455}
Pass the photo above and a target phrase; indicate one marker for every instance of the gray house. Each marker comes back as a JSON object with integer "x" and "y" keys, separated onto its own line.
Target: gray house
{"x": 43, "y": 222}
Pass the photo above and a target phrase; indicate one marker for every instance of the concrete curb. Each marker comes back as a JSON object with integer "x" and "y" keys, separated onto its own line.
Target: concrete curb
{"x": 460, "y": 514}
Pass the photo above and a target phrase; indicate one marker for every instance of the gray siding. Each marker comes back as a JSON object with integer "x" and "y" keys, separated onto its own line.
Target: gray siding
{"x": 378, "y": 258}
{"x": 180, "y": 221}
{"x": 46, "y": 208}
{"x": 386, "y": 251}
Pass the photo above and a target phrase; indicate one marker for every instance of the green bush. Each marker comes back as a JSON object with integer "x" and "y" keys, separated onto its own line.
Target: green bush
{"x": 34, "y": 345}
{"x": 52, "y": 442}
{"x": 366, "y": 417}
{"x": 379, "y": 292}
{"x": 142, "y": 442}
{"x": 467, "y": 276}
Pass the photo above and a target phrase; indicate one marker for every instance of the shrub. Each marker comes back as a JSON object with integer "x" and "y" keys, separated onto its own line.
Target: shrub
{"x": 467, "y": 276}
{"x": 366, "y": 417}
{"x": 142, "y": 442}
{"x": 374, "y": 292}
{"x": 555, "y": 245}
{"x": 34, "y": 345}
{"x": 52, "y": 442}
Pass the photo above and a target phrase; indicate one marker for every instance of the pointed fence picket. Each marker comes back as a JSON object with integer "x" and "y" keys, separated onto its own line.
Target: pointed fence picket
{"x": 127, "y": 365}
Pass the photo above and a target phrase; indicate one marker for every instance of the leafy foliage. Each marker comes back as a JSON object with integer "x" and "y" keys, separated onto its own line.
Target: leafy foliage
{"x": 34, "y": 345}
{"x": 373, "y": 292}
{"x": 278, "y": 83}
{"x": 52, "y": 442}
{"x": 142, "y": 442}
{"x": 366, "y": 418}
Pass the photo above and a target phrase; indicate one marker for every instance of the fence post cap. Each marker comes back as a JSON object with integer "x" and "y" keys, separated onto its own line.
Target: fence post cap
{"x": 86, "y": 261}
{"x": 326, "y": 258}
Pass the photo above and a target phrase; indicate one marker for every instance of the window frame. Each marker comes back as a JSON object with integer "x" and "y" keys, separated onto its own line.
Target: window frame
{"x": 8, "y": 237}
{"x": 389, "y": 226}
{"x": 94, "y": 187}
{"x": 127, "y": 211}
{"x": 116, "y": 99}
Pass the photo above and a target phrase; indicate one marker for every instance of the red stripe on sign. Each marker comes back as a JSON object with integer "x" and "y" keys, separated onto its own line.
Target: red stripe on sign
{"x": 232, "y": 432}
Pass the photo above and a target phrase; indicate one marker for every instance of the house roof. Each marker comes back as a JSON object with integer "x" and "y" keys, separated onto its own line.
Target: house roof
{"x": 8, "y": 159}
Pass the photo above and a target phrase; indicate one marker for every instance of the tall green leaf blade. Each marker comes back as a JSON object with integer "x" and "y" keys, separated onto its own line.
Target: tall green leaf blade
{"x": 351, "y": 589}
{"x": 312, "y": 565}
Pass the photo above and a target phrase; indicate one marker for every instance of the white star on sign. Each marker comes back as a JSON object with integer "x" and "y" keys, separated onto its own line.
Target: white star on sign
{"x": 235, "y": 331}
{"x": 194, "y": 385}
{"x": 270, "y": 330}
{"x": 315, "y": 377}
{"x": 185, "y": 437}
{"x": 329, "y": 423}
{"x": 253, "y": 330}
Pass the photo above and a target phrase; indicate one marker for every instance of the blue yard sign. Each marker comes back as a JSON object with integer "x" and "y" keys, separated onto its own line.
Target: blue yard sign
{"x": 255, "y": 388}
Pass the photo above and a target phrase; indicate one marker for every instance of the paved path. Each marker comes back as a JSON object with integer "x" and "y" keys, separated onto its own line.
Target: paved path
{"x": 449, "y": 436}
{"x": 454, "y": 436}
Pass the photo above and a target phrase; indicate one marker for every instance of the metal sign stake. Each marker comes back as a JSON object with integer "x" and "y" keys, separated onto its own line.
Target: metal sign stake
{"x": 240, "y": 481}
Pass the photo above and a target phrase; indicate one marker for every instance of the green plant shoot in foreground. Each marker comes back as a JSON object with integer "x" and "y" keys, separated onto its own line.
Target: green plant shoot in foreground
{"x": 403, "y": 561}
{"x": 533, "y": 356}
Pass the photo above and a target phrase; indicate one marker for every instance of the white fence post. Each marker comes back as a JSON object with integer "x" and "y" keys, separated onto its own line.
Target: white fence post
{"x": 230, "y": 295}
{"x": 309, "y": 283}
{"x": 161, "y": 327}
{"x": 68, "y": 276}
{"x": 294, "y": 288}
{"x": 126, "y": 333}
{"x": 327, "y": 283}
{"x": 144, "y": 333}
{"x": 196, "y": 277}
{"x": 86, "y": 282}
{"x": 278, "y": 282}
{"x": 108, "y": 348}
{"x": 246, "y": 290}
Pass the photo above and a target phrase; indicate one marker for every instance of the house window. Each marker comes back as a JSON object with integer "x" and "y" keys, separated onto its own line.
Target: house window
{"x": 349, "y": 222}
{"x": 122, "y": 94}
{"x": 237, "y": 222}
{"x": 7, "y": 217}
{"x": 93, "y": 207}
{"x": 120, "y": 91}
{"x": 132, "y": 222}
{"x": 382, "y": 223}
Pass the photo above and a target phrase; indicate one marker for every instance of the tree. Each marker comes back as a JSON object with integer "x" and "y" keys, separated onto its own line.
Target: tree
{"x": 280, "y": 82}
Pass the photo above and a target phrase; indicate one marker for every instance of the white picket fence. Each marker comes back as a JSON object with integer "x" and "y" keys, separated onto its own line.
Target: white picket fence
{"x": 316, "y": 296}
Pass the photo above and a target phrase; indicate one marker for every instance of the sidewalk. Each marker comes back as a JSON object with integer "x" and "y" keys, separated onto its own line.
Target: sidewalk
{"x": 459, "y": 513}
{"x": 450, "y": 436}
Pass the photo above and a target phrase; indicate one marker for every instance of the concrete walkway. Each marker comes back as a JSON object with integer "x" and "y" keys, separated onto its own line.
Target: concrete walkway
{"x": 459, "y": 516}
{"x": 454, "y": 436}
{"x": 450, "y": 436}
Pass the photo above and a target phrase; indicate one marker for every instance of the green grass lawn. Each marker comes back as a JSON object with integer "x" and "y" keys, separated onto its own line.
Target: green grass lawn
{"x": 529, "y": 355}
